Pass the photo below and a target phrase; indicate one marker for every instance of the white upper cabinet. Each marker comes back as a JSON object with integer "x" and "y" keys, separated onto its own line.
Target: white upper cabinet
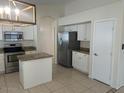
{"x": 88, "y": 31}
{"x": 1, "y": 33}
{"x": 7, "y": 28}
{"x": 70, "y": 28}
{"x": 84, "y": 31}
{"x": 28, "y": 32}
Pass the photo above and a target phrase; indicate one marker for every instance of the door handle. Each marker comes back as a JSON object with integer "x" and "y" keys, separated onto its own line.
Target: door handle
{"x": 95, "y": 54}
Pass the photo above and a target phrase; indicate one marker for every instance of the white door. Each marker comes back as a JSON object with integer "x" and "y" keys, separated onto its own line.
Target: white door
{"x": 102, "y": 50}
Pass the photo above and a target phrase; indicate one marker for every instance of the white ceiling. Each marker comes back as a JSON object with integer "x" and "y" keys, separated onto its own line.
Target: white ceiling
{"x": 61, "y": 1}
{"x": 48, "y": 1}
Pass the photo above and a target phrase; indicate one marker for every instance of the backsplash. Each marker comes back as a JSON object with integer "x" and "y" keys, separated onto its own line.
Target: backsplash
{"x": 28, "y": 43}
{"x": 24, "y": 43}
{"x": 85, "y": 44}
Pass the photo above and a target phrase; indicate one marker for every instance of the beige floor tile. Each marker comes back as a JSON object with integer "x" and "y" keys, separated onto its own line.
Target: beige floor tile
{"x": 64, "y": 81}
{"x": 39, "y": 89}
{"x": 3, "y": 90}
{"x": 121, "y": 90}
{"x": 15, "y": 90}
{"x": 12, "y": 76}
{"x": 12, "y": 80}
{"x": 101, "y": 88}
{"x": 54, "y": 85}
{"x": 67, "y": 82}
{"x": 77, "y": 88}
{"x": 89, "y": 83}
{"x": 14, "y": 85}
{"x": 2, "y": 81}
{"x": 63, "y": 90}
{"x": 88, "y": 91}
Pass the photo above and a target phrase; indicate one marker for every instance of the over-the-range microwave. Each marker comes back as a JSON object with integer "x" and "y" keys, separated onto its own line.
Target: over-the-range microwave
{"x": 13, "y": 36}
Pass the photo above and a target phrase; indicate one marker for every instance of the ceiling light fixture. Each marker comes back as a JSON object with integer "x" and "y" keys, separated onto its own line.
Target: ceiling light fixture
{"x": 17, "y": 11}
{"x": 7, "y": 10}
{"x": 1, "y": 10}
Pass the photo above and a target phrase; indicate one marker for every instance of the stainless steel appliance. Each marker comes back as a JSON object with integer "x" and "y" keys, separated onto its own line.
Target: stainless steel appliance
{"x": 67, "y": 41}
{"x": 13, "y": 36}
{"x": 11, "y": 51}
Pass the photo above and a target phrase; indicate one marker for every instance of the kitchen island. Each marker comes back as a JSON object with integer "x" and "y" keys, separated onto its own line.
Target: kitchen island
{"x": 35, "y": 69}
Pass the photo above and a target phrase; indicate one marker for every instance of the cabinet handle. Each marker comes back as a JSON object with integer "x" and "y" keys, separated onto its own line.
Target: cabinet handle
{"x": 95, "y": 54}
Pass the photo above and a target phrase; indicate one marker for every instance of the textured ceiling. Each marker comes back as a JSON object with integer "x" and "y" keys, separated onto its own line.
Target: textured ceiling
{"x": 61, "y": 1}
{"x": 48, "y": 1}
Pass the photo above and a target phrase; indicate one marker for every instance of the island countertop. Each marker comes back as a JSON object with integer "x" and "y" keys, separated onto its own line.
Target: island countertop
{"x": 34, "y": 56}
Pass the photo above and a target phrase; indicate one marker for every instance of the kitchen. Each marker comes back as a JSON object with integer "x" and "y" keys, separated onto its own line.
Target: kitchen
{"x": 9, "y": 39}
{"x": 45, "y": 47}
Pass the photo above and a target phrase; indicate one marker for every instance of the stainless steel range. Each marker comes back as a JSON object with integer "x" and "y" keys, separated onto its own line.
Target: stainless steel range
{"x": 11, "y": 51}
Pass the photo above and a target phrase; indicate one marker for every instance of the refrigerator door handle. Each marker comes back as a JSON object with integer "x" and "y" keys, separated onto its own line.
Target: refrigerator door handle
{"x": 60, "y": 41}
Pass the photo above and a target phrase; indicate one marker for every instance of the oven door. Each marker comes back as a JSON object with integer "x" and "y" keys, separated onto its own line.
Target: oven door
{"x": 11, "y": 59}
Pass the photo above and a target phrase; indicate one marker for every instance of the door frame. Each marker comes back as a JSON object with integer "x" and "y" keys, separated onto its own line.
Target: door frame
{"x": 113, "y": 43}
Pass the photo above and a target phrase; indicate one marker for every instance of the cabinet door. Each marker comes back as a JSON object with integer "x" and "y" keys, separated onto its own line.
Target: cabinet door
{"x": 2, "y": 66}
{"x": 74, "y": 59}
{"x": 88, "y": 31}
{"x": 81, "y": 32}
{"x": 1, "y": 33}
{"x": 70, "y": 28}
{"x": 28, "y": 33}
{"x": 73, "y": 28}
{"x": 7, "y": 28}
{"x": 67, "y": 28}
{"x": 83, "y": 61}
{"x": 80, "y": 62}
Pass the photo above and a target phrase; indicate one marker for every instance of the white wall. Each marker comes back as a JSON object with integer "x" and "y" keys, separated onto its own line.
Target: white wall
{"x": 54, "y": 11}
{"x": 81, "y": 5}
{"x": 121, "y": 59}
{"x": 46, "y": 21}
{"x": 46, "y": 35}
{"x": 113, "y": 10}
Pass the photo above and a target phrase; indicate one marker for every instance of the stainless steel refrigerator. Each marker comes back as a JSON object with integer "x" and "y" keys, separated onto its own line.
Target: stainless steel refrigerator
{"x": 67, "y": 41}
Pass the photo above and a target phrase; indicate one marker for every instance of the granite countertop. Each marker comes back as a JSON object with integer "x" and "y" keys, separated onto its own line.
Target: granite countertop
{"x": 29, "y": 48}
{"x": 34, "y": 56}
{"x": 84, "y": 50}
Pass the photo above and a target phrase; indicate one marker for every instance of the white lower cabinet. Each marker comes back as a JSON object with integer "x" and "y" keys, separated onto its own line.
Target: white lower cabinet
{"x": 80, "y": 61}
{"x": 2, "y": 66}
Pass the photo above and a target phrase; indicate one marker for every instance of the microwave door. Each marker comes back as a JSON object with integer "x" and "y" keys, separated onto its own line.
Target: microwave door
{"x": 14, "y": 37}
{"x": 7, "y": 37}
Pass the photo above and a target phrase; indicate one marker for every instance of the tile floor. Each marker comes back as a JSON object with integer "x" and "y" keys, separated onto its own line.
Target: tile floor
{"x": 64, "y": 81}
